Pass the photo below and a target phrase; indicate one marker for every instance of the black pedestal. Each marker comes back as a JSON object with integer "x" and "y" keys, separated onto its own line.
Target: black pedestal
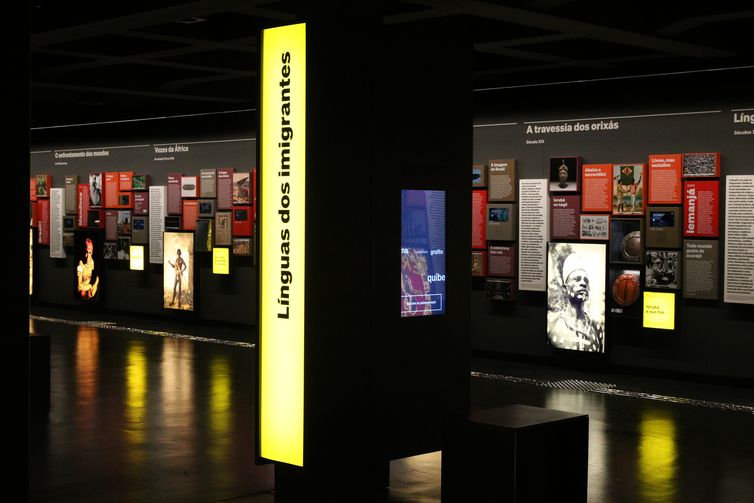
{"x": 517, "y": 454}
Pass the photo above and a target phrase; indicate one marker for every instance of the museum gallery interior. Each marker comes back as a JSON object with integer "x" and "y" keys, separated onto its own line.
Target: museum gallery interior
{"x": 218, "y": 192}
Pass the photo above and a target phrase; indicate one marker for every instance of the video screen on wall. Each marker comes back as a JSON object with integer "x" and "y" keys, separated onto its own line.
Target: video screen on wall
{"x": 422, "y": 252}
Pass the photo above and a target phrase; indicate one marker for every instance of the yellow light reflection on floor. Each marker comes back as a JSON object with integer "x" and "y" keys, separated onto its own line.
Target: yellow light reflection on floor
{"x": 136, "y": 393}
{"x": 87, "y": 362}
{"x": 657, "y": 456}
{"x": 220, "y": 414}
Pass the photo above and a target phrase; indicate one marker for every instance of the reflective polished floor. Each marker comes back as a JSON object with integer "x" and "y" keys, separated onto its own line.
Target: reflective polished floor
{"x": 144, "y": 414}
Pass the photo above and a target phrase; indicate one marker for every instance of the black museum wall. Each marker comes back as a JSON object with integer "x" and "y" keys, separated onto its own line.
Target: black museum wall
{"x": 712, "y": 338}
{"x": 212, "y": 143}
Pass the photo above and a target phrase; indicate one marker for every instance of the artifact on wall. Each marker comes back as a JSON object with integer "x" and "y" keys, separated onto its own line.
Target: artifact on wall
{"x": 478, "y": 263}
{"x": 124, "y": 223}
{"x": 739, "y": 239}
{"x": 663, "y": 227}
{"x": 95, "y": 190}
{"x": 701, "y": 164}
{"x": 628, "y": 189}
{"x": 597, "y": 194}
{"x": 500, "y": 289}
{"x": 224, "y": 188}
{"x": 95, "y": 219}
{"x": 208, "y": 183}
{"x": 625, "y": 289}
{"x": 626, "y": 245}
{"x": 564, "y": 174}
{"x": 422, "y": 253}
{"x": 178, "y": 271}
{"x": 576, "y": 296}
{"x": 68, "y": 240}
{"x": 223, "y": 234}
{"x": 43, "y": 184}
{"x": 71, "y": 194}
{"x": 532, "y": 235}
{"x": 90, "y": 271}
{"x": 173, "y": 223}
{"x": 174, "y": 194}
{"x": 665, "y": 179}
{"x": 478, "y": 175}
{"x": 110, "y": 250}
{"x": 478, "y": 219}
{"x": 564, "y": 216}
{"x": 206, "y": 208}
{"x": 700, "y": 208}
{"x": 700, "y": 267}
{"x": 242, "y": 188}
{"x": 501, "y": 222}
{"x": 189, "y": 186}
{"x": 124, "y": 248}
{"x": 501, "y": 260}
{"x": 663, "y": 269}
{"x": 140, "y": 182}
{"x": 594, "y": 227}
{"x": 501, "y": 175}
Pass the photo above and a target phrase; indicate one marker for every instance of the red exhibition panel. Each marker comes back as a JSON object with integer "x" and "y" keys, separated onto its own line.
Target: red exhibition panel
{"x": 124, "y": 181}
{"x": 43, "y": 214}
{"x": 665, "y": 178}
{"x": 597, "y": 183}
{"x": 174, "y": 194}
{"x": 478, "y": 220}
{"x": 83, "y": 205}
{"x": 32, "y": 189}
{"x": 701, "y": 207}
{"x": 190, "y": 214}
{"x": 110, "y": 189}
{"x": 242, "y": 218}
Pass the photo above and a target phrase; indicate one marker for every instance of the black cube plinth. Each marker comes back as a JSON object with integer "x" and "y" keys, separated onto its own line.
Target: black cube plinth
{"x": 517, "y": 454}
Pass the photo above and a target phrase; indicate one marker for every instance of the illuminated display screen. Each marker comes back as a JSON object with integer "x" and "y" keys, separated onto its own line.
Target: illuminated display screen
{"x": 422, "y": 252}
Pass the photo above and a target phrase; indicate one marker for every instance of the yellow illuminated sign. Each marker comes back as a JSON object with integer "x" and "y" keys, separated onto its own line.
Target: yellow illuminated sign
{"x": 220, "y": 260}
{"x": 137, "y": 257}
{"x": 659, "y": 310}
{"x": 282, "y": 243}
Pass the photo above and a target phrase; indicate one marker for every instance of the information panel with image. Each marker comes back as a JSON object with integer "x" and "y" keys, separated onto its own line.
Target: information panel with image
{"x": 422, "y": 252}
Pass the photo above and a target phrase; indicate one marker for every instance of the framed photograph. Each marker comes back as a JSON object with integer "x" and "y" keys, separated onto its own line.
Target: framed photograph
{"x": 140, "y": 182}
{"x": 203, "y": 235}
{"x": 223, "y": 226}
{"x": 95, "y": 190}
{"x": 478, "y": 263}
{"x": 625, "y": 291}
{"x": 242, "y": 247}
{"x": 178, "y": 271}
{"x": 110, "y": 250}
{"x": 594, "y": 227}
{"x": 663, "y": 269}
{"x": 124, "y": 223}
{"x": 626, "y": 243}
{"x": 69, "y": 222}
{"x": 500, "y": 289}
{"x": 241, "y": 188}
{"x": 576, "y": 296}
{"x": 43, "y": 184}
{"x": 68, "y": 241}
{"x": 242, "y": 221}
{"x": 173, "y": 222}
{"x": 89, "y": 277}
{"x": 564, "y": 174}
{"x": 628, "y": 189}
{"x": 124, "y": 248}
{"x": 478, "y": 175}
{"x": 95, "y": 219}
{"x": 206, "y": 208}
{"x": 140, "y": 230}
{"x": 701, "y": 164}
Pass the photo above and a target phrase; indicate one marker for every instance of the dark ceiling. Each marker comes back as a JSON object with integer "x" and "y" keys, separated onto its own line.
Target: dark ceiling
{"x": 122, "y": 61}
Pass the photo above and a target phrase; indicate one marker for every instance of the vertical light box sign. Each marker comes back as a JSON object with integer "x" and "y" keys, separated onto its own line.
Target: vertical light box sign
{"x": 282, "y": 243}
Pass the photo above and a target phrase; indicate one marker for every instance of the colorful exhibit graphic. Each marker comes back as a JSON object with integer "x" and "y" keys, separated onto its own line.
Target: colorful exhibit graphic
{"x": 628, "y": 189}
{"x": 178, "y": 271}
{"x": 576, "y": 296}
{"x": 89, "y": 272}
{"x": 422, "y": 252}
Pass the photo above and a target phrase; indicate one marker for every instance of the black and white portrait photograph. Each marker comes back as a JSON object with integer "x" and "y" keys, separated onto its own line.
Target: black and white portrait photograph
{"x": 576, "y": 296}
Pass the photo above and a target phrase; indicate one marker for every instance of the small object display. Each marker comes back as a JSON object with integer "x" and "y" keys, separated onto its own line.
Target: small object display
{"x": 140, "y": 182}
{"x": 625, "y": 241}
{"x": 478, "y": 263}
{"x": 173, "y": 222}
{"x": 499, "y": 289}
{"x": 223, "y": 234}
{"x": 241, "y": 188}
{"x": 68, "y": 240}
{"x": 501, "y": 222}
{"x": 95, "y": 190}
{"x": 110, "y": 250}
{"x": 43, "y": 184}
{"x": 69, "y": 223}
{"x": 564, "y": 174}
{"x": 478, "y": 175}
{"x": 203, "y": 235}
{"x": 625, "y": 289}
{"x": 663, "y": 224}
{"x": 242, "y": 247}
{"x": 140, "y": 230}
{"x": 189, "y": 186}
{"x": 206, "y": 208}
{"x": 701, "y": 165}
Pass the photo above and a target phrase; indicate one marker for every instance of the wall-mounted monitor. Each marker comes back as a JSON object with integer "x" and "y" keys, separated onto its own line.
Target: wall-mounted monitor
{"x": 422, "y": 252}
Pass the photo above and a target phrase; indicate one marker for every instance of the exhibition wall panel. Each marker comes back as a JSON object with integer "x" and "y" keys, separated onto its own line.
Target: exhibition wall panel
{"x": 153, "y": 148}
{"x": 624, "y": 123}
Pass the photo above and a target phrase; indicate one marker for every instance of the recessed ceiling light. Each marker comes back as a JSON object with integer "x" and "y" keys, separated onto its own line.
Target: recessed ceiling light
{"x": 191, "y": 20}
